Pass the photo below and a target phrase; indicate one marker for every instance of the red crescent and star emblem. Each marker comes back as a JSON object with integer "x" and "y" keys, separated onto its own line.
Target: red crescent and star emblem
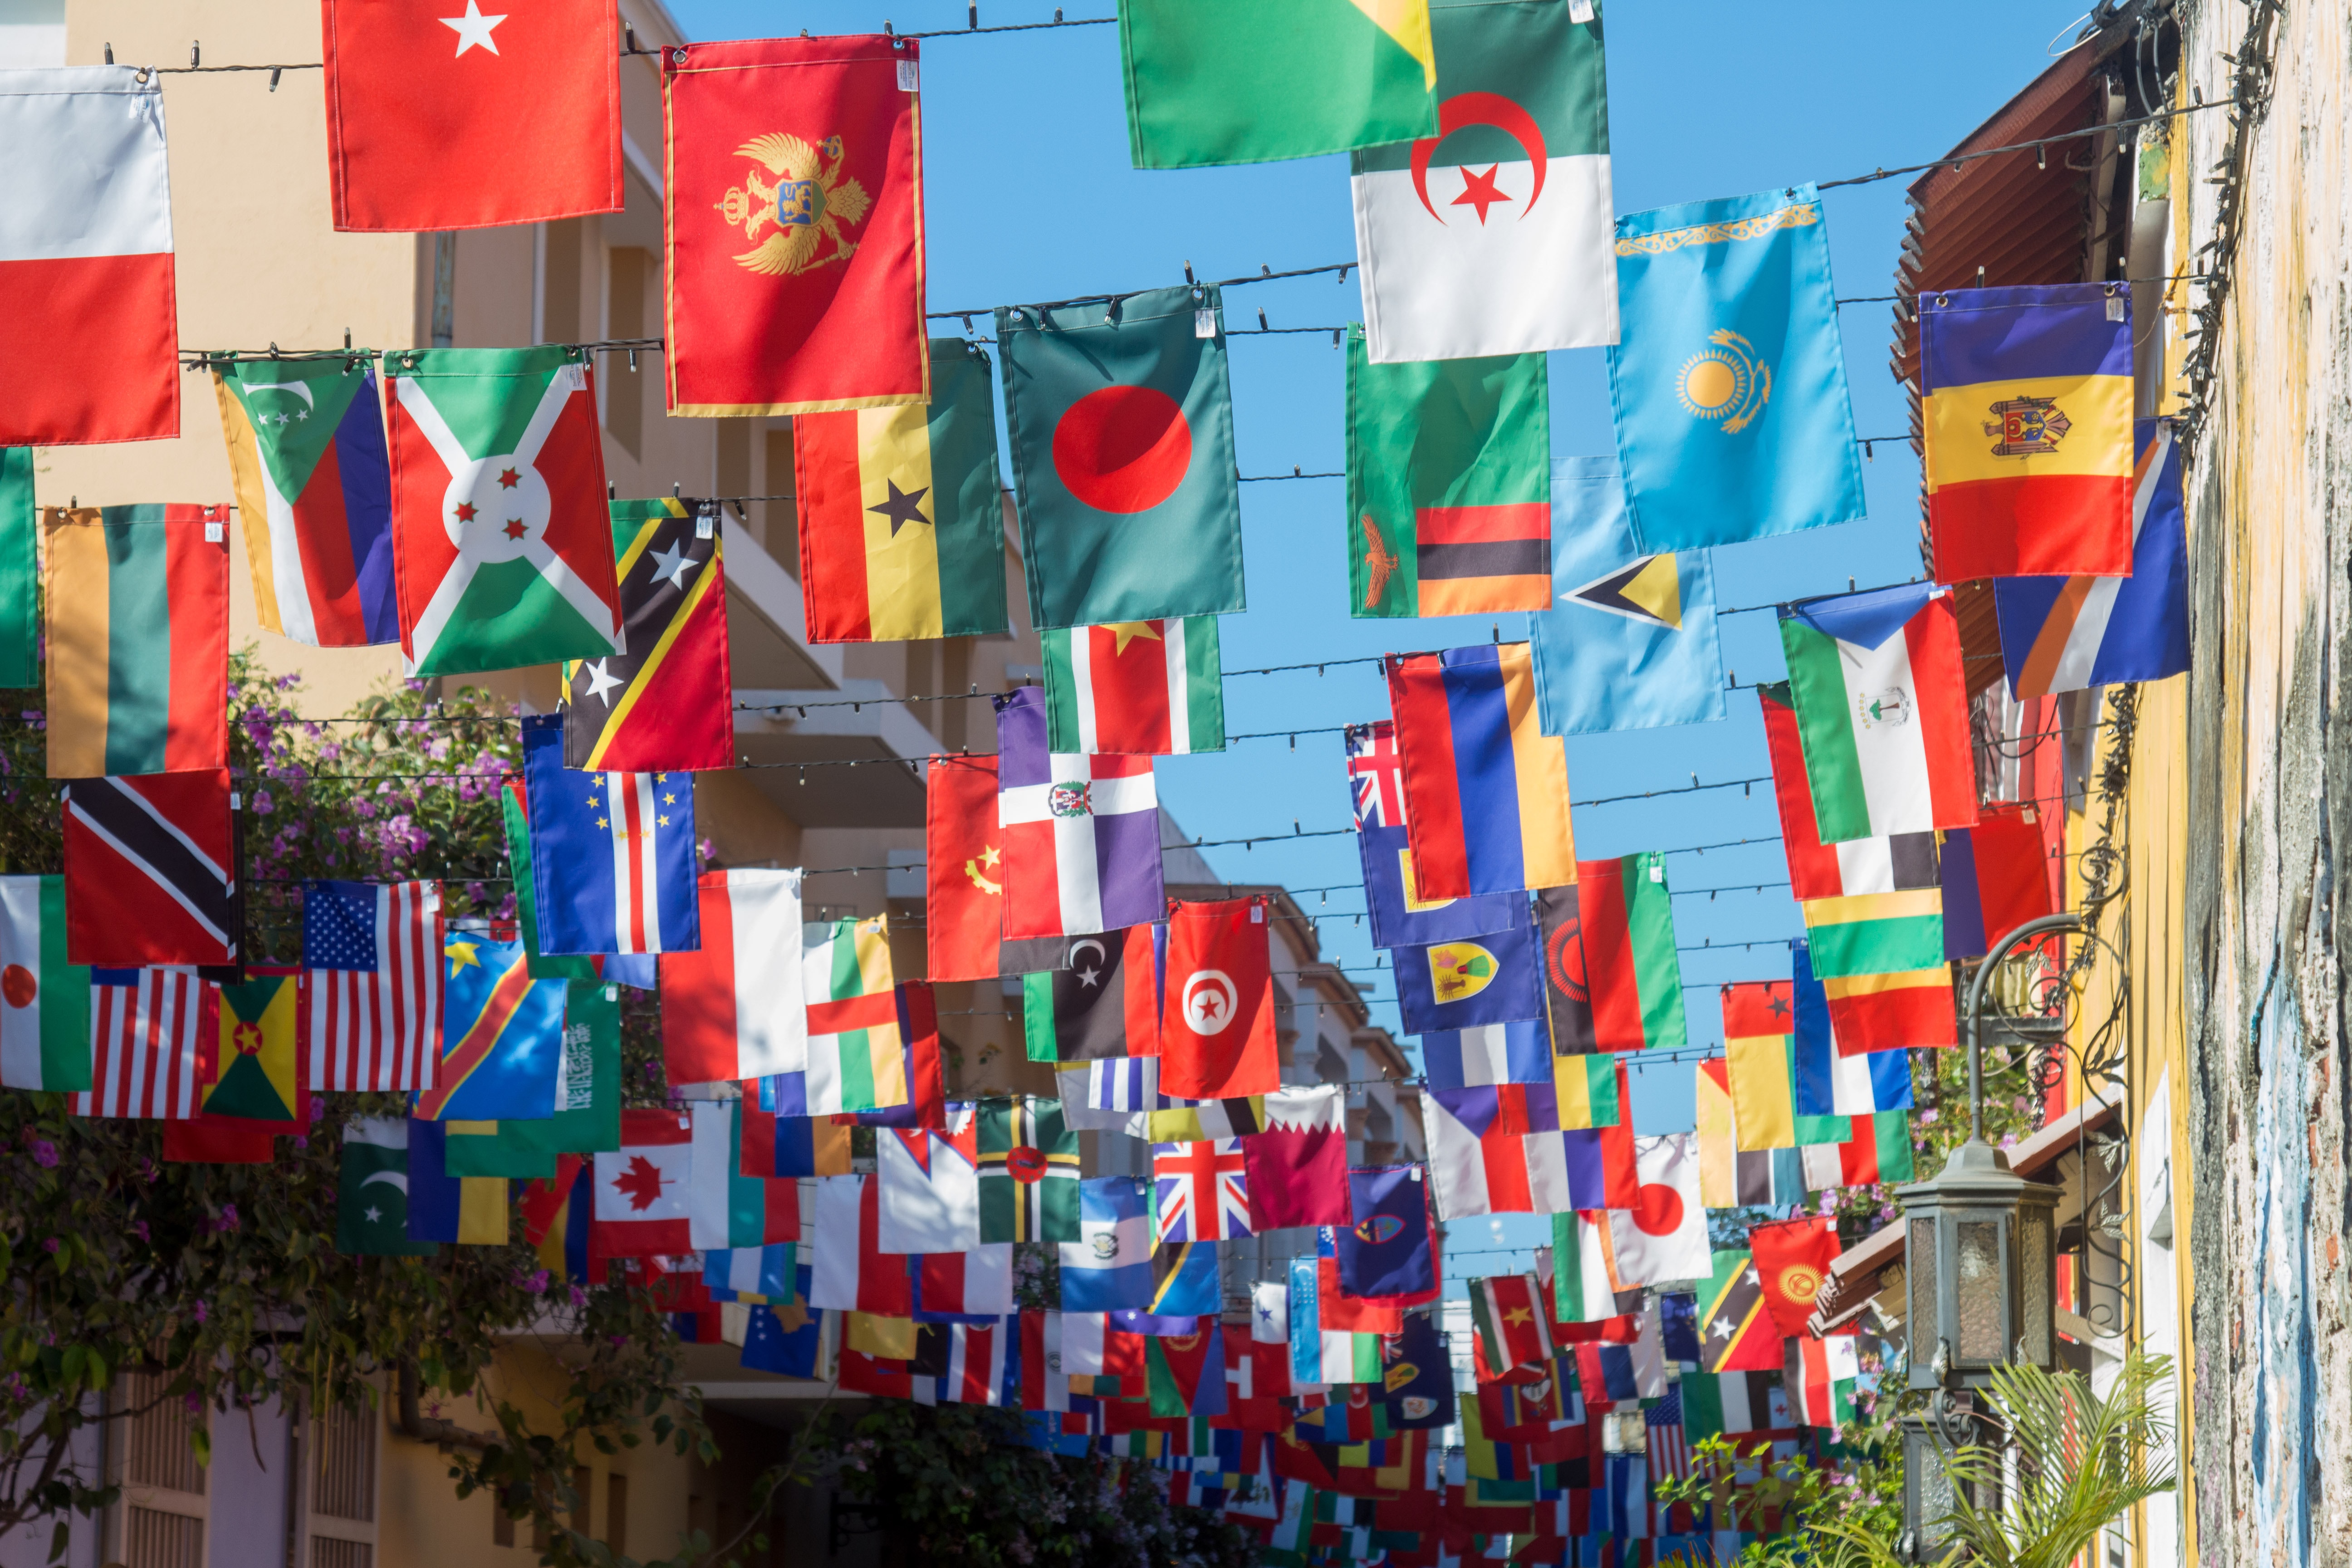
{"x": 1467, "y": 108}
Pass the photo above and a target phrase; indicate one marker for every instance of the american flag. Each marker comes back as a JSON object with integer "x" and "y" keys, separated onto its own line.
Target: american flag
{"x": 1669, "y": 1445}
{"x": 147, "y": 1034}
{"x": 372, "y": 995}
{"x": 1376, "y": 774}
{"x": 1202, "y": 1190}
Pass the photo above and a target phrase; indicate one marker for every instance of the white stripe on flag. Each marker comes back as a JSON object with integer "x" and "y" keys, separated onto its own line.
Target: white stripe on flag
{"x": 1180, "y": 708}
{"x": 2090, "y": 627}
{"x": 1892, "y": 757}
{"x": 1076, "y": 874}
{"x": 1082, "y": 681}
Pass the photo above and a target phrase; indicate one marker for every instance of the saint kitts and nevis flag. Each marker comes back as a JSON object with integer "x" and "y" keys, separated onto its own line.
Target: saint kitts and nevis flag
{"x": 1153, "y": 687}
{"x": 1449, "y": 485}
{"x": 137, "y": 639}
{"x": 1491, "y": 234}
{"x": 305, "y": 452}
{"x": 501, "y": 540}
{"x": 665, "y": 704}
{"x": 902, "y": 527}
{"x": 44, "y": 1001}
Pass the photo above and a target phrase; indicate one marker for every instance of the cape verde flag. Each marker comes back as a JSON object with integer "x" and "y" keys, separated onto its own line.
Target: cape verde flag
{"x": 612, "y": 854}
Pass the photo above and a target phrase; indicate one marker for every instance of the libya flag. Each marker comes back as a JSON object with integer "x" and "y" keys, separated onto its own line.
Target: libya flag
{"x": 1496, "y": 235}
{"x": 1122, "y": 427}
{"x": 372, "y": 1196}
{"x": 1240, "y": 82}
{"x": 44, "y": 1000}
{"x": 587, "y": 1117}
{"x": 1449, "y": 485}
{"x": 256, "y": 1071}
{"x": 503, "y": 547}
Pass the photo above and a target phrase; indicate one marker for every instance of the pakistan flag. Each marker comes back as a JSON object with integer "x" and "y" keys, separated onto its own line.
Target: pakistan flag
{"x": 372, "y": 1198}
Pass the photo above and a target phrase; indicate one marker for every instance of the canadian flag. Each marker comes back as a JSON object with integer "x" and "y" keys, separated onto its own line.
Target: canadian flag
{"x": 643, "y": 1187}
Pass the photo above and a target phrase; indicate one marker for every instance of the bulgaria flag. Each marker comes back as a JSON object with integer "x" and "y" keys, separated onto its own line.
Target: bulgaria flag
{"x": 1882, "y": 705}
{"x": 731, "y": 1011}
{"x": 44, "y": 1000}
{"x": 1495, "y": 236}
{"x": 1149, "y": 688}
{"x": 644, "y": 1188}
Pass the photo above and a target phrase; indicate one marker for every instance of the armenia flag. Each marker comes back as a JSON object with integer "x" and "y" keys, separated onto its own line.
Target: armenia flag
{"x": 902, "y": 529}
{"x": 137, "y": 639}
{"x": 1487, "y": 791}
{"x": 306, "y": 453}
{"x": 665, "y": 703}
{"x": 1729, "y": 384}
{"x": 1121, "y": 423}
{"x": 1449, "y": 485}
{"x": 501, "y": 1035}
{"x": 2027, "y": 404}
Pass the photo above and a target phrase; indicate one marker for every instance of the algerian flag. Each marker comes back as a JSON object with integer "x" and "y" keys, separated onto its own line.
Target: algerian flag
{"x": 372, "y": 1197}
{"x": 1881, "y": 709}
{"x": 44, "y": 1000}
{"x": 1496, "y": 237}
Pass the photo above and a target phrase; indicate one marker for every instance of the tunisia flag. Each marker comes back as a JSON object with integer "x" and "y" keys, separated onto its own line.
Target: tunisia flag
{"x": 1216, "y": 1026}
{"x": 1792, "y": 1260}
{"x": 440, "y": 122}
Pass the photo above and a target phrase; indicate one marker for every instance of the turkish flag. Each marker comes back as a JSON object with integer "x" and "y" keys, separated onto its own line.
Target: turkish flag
{"x": 1793, "y": 1259}
{"x": 1216, "y": 1024}
{"x": 964, "y": 851}
{"x": 442, "y": 122}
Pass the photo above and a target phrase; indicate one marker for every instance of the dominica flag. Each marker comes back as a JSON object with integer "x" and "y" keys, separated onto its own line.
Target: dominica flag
{"x": 664, "y": 705}
{"x": 1230, "y": 82}
{"x": 1028, "y": 1160}
{"x": 137, "y": 639}
{"x": 500, "y": 536}
{"x": 1449, "y": 485}
{"x": 1155, "y": 688}
{"x": 902, "y": 521}
{"x": 44, "y": 1001}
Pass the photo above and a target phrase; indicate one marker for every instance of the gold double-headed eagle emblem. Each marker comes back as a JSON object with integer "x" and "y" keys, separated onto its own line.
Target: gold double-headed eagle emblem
{"x": 806, "y": 206}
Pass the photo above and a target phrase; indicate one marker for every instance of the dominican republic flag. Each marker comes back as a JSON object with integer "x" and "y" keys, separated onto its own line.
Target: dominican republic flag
{"x": 930, "y": 1186}
{"x": 612, "y": 855}
{"x": 1201, "y": 1190}
{"x": 734, "y": 1010}
{"x": 644, "y": 1188}
{"x": 372, "y": 995}
{"x": 852, "y": 1273}
{"x": 148, "y": 1029}
{"x": 1081, "y": 834}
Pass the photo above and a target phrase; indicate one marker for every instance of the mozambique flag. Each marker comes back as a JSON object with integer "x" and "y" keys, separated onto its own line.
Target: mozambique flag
{"x": 664, "y": 705}
{"x": 137, "y": 639}
{"x": 255, "y": 1073}
{"x": 501, "y": 1035}
{"x": 1736, "y": 1333}
{"x": 902, "y": 521}
{"x": 1028, "y": 1172}
{"x": 1449, "y": 485}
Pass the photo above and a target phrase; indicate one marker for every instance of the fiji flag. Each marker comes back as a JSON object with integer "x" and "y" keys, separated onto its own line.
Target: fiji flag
{"x": 501, "y": 1035}
{"x": 612, "y": 854}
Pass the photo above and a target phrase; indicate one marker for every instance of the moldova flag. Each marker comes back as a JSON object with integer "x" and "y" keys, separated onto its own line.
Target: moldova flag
{"x": 138, "y": 636}
{"x": 1485, "y": 790}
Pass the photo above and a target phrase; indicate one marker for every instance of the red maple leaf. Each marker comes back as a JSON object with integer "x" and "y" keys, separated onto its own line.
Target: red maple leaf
{"x": 641, "y": 1183}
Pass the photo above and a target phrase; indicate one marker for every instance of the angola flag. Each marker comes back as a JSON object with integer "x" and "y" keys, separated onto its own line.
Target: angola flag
{"x": 901, "y": 518}
{"x": 1449, "y": 485}
{"x": 137, "y": 639}
{"x": 664, "y": 705}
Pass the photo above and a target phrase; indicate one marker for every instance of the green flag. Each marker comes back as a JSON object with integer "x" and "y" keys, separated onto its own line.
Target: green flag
{"x": 1122, "y": 430}
{"x": 1449, "y": 485}
{"x": 372, "y": 1197}
{"x": 20, "y": 573}
{"x": 1240, "y": 82}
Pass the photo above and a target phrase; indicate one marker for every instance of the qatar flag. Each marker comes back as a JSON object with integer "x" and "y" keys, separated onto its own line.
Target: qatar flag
{"x": 1663, "y": 1236}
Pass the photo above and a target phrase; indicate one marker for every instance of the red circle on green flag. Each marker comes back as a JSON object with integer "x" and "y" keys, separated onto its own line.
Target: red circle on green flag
{"x": 1026, "y": 1163}
{"x": 1660, "y": 1210}
{"x": 1123, "y": 449}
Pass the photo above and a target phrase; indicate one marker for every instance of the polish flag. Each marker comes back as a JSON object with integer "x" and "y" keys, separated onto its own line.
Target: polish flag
{"x": 89, "y": 344}
{"x": 734, "y": 1009}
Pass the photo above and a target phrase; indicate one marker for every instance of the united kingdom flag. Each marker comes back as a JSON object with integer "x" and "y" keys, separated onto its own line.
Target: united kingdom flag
{"x": 1201, "y": 1190}
{"x": 1376, "y": 774}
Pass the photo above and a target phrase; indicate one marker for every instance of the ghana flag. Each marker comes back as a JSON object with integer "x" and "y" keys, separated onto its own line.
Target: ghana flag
{"x": 1449, "y": 485}
{"x": 664, "y": 704}
{"x": 902, "y": 529}
{"x": 1121, "y": 424}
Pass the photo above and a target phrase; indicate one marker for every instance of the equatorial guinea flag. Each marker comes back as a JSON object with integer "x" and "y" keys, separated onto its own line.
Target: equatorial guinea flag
{"x": 1495, "y": 237}
{"x": 89, "y": 344}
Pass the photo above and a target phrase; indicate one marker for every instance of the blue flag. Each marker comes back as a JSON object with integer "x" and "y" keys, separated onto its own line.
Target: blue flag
{"x": 1402, "y": 918}
{"x": 612, "y": 855}
{"x": 1630, "y": 642}
{"x": 1828, "y": 1082}
{"x": 1492, "y": 979}
{"x": 1184, "y": 1280}
{"x": 1386, "y": 1251}
{"x": 1729, "y": 377}
{"x": 786, "y": 1339}
{"x": 1417, "y": 1375}
{"x": 501, "y": 1035}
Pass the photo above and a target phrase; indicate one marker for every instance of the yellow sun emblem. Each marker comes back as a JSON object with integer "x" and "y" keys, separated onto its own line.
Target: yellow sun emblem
{"x": 1725, "y": 381}
{"x": 806, "y": 206}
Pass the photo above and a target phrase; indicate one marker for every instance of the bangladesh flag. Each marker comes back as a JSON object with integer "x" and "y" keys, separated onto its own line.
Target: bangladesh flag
{"x": 1140, "y": 687}
{"x": 502, "y": 544}
{"x": 255, "y": 1076}
{"x": 44, "y": 1000}
{"x": 1239, "y": 81}
{"x": 371, "y": 1195}
{"x": 1122, "y": 433}
{"x": 1449, "y": 485}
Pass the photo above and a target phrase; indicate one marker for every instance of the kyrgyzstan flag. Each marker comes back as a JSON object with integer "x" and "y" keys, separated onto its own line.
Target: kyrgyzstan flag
{"x": 436, "y": 121}
{"x": 1792, "y": 1263}
{"x": 792, "y": 248}
{"x": 88, "y": 343}
{"x": 1216, "y": 1024}
{"x": 734, "y": 1009}
{"x": 644, "y": 1188}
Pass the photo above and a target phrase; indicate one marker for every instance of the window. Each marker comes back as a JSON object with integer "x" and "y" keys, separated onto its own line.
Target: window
{"x": 616, "y": 1511}
{"x": 162, "y": 1485}
{"x": 339, "y": 1525}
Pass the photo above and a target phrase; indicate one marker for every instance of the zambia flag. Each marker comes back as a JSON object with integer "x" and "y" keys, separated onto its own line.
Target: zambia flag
{"x": 138, "y": 635}
{"x": 1449, "y": 485}
{"x": 1239, "y": 81}
{"x": 665, "y": 705}
{"x": 1122, "y": 434}
{"x": 901, "y": 522}
{"x": 255, "y": 1075}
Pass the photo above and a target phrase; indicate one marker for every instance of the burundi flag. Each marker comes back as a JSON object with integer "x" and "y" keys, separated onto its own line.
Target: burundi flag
{"x": 371, "y": 1195}
{"x": 1491, "y": 235}
{"x": 305, "y": 452}
{"x": 501, "y": 1035}
{"x": 1155, "y": 688}
{"x": 1449, "y": 485}
{"x": 1230, "y": 82}
{"x": 1121, "y": 422}
{"x": 901, "y": 518}
{"x": 500, "y": 532}
{"x": 1629, "y": 641}
{"x": 256, "y": 1071}
{"x": 20, "y": 570}
{"x": 137, "y": 639}
{"x": 44, "y": 1001}
{"x": 665, "y": 704}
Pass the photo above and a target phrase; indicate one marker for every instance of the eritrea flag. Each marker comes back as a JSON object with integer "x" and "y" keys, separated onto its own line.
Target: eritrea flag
{"x": 1122, "y": 432}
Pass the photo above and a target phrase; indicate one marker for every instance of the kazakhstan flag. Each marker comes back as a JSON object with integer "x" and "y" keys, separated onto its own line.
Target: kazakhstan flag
{"x": 1728, "y": 381}
{"x": 1630, "y": 641}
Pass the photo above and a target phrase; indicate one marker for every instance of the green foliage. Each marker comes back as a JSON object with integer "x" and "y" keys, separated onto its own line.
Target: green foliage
{"x": 1799, "y": 1501}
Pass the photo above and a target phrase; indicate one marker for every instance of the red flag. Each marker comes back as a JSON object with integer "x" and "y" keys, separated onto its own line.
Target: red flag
{"x": 438, "y": 122}
{"x": 643, "y": 1188}
{"x": 793, "y": 240}
{"x": 1335, "y": 1310}
{"x": 1511, "y": 1329}
{"x": 1296, "y": 1178}
{"x": 151, "y": 870}
{"x": 1216, "y": 1026}
{"x": 965, "y": 857}
{"x": 1792, "y": 1258}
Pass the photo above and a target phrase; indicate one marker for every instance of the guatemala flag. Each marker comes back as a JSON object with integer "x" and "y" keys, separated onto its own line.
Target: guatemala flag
{"x": 612, "y": 854}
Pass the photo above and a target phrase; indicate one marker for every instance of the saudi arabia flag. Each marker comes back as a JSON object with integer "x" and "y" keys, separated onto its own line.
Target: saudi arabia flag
{"x": 1495, "y": 237}
{"x": 44, "y": 1000}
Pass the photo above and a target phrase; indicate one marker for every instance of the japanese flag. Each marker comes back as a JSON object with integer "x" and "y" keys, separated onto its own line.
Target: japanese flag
{"x": 1663, "y": 1236}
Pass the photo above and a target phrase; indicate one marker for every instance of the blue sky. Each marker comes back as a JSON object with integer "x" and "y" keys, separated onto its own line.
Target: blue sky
{"x": 1029, "y": 197}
